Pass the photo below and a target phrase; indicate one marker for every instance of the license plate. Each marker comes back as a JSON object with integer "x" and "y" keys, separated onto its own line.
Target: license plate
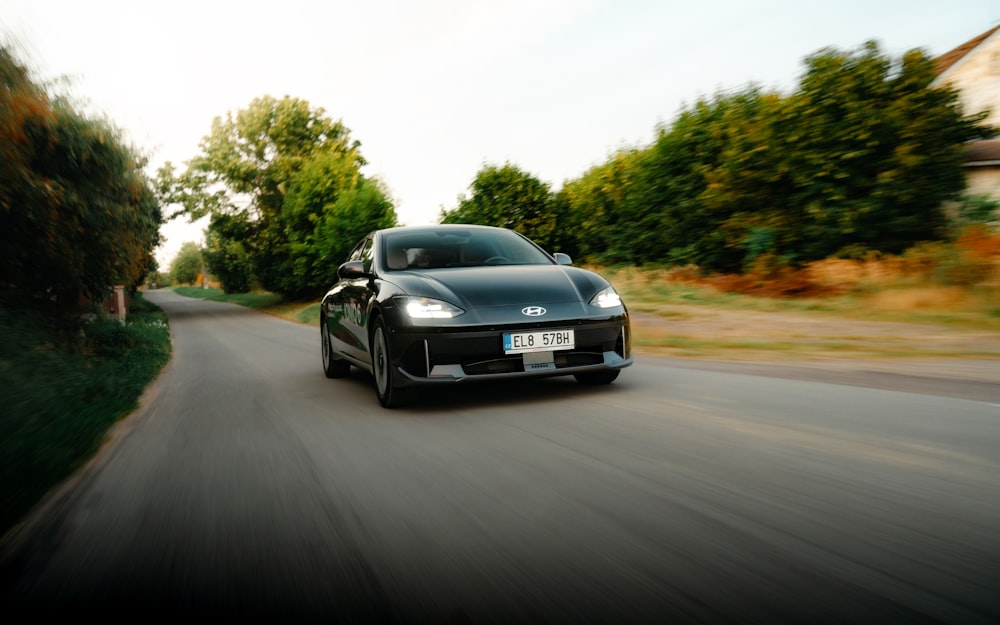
{"x": 542, "y": 341}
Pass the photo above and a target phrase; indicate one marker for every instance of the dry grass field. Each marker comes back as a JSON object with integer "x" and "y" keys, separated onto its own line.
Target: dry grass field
{"x": 887, "y": 309}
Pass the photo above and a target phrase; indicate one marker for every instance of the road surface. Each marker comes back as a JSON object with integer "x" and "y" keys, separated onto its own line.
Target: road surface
{"x": 250, "y": 486}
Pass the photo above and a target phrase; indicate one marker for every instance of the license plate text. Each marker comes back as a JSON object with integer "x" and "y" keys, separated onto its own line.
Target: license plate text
{"x": 548, "y": 340}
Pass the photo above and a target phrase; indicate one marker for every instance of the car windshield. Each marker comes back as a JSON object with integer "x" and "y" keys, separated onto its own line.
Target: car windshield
{"x": 449, "y": 247}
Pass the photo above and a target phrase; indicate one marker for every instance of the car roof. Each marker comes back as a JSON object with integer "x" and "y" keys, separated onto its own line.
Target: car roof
{"x": 425, "y": 227}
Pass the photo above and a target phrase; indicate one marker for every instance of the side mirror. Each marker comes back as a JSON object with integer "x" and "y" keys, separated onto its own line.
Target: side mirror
{"x": 351, "y": 269}
{"x": 562, "y": 259}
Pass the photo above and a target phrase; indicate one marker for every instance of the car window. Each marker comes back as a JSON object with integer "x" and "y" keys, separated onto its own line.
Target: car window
{"x": 363, "y": 252}
{"x": 435, "y": 249}
{"x": 356, "y": 252}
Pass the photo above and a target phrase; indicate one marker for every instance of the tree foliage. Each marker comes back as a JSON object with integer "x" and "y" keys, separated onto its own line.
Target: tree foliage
{"x": 356, "y": 211}
{"x": 226, "y": 253}
{"x": 278, "y": 170}
{"x": 895, "y": 152}
{"x": 508, "y": 197}
{"x": 863, "y": 156}
{"x": 600, "y": 210}
{"x": 187, "y": 264}
{"x": 77, "y": 213}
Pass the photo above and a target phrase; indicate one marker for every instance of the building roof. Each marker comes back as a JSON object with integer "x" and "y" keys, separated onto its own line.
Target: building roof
{"x": 944, "y": 62}
{"x": 982, "y": 152}
{"x": 977, "y": 153}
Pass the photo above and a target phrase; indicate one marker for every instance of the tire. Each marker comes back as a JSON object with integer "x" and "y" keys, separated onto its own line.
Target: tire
{"x": 597, "y": 378}
{"x": 332, "y": 367}
{"x": 386, "y": 388}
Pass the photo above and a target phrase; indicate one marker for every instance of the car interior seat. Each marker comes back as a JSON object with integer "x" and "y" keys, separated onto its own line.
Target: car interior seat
{"x": 397, "y": 258}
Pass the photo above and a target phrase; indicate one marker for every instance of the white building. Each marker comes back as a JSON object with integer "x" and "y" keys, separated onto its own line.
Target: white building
{"x": 973, "y": 68}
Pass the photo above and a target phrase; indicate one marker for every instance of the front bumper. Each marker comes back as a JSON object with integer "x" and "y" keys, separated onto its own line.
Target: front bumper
{"x": 425, "y": 355}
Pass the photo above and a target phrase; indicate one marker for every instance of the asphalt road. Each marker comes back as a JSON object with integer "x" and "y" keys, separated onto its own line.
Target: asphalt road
{"x": 250, "y": 486}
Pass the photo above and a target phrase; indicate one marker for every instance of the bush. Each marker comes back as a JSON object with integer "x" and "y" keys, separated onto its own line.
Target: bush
{"x": 61, "y": 391}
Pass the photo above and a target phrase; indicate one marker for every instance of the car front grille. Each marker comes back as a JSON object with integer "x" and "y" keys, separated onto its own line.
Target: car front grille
{"x": 481, "y": 353}
{"x": 416, "y": 361}
{"x": 514, "y": 362}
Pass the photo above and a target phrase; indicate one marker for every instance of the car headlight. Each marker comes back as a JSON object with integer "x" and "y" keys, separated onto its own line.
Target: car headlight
{"x": 427, "y": 308}
{"x": 606, "y": 298}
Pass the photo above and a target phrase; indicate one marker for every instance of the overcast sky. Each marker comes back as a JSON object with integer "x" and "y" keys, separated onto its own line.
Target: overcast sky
{"x": 435, "y": 89}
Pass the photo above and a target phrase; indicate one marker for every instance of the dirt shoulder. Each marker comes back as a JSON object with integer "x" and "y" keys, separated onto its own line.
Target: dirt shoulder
{"x": 803, "y": 344}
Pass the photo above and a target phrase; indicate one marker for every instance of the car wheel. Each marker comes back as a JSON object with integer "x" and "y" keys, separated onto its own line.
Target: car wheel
{"x": 389, "y": 394}
{"x": 597, "y": 378}
{"x": 332, "y": 367}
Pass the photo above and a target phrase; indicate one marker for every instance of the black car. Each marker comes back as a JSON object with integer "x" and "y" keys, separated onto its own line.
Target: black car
{"x": 447, "y": 303}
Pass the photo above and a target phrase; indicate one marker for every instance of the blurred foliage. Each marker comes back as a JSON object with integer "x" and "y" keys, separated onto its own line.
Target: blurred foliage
{"x": 977, "y": 210}
{"x": 863, "y": 156}
{"x": 509, "y": 197}
{"x": 280, "y": 179}
{"x": 77, "y": 214}
{"x": 260, "y": 299}
{"x": 63, "y": 383}
{"x": 329, "y": 208}
{"x": 187, "y": 264}
{"x": 227, "y": 254}
{"x": 158, "y": 279}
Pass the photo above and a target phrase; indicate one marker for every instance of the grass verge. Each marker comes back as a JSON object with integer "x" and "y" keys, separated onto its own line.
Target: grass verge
{"x": 306, "y": 312}
{"x": 63, "y": 384}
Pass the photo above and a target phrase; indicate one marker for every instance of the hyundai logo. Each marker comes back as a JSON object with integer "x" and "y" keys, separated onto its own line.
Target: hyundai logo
{"x": 533, "y": 311}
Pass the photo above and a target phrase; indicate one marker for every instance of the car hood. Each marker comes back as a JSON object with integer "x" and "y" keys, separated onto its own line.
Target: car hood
{"x": 499, "y": 285}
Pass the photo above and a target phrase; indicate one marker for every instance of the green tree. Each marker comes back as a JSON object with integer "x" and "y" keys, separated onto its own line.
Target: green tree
{"x": 260, "y": 166}
{"x": 566, "y": 236}
{"x": 329, "y": 207}
{"x": 892, "y": 151}
{"x": 743, "y": 203}
{"x": 357, "y": 211}
{"x": 187, "y": 264}
{"x": 226, "y": 254}
{"x": 977, "y": 209}
{"x": 24, "y": 109}
{"x": 508, "y": 197}
{"x": 77, "y": 213}
{"x": 647, "y": 204}
{"x": 863, "y": 156}
{"x": 596, "y": 200}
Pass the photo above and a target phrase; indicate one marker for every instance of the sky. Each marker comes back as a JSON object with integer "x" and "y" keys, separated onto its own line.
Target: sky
{"x": 434, "y": 90}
